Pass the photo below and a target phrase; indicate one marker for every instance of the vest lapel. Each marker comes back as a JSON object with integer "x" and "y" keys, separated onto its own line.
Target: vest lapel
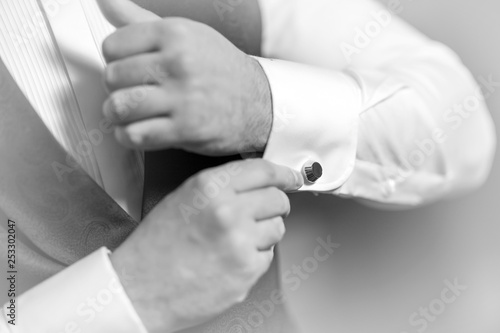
{"x": 64, "y": 215}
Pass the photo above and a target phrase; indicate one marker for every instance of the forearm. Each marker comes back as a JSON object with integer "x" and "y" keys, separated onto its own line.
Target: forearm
{"x": 238, "y": 20}
{"x": 431, "y": 138}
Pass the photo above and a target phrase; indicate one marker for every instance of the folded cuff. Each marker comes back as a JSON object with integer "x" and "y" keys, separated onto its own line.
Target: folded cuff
{"x": 315, "y": 114}
{"x": 85, "y": 297}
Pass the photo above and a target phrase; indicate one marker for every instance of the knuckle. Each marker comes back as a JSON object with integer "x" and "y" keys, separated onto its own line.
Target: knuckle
{"x": 280, "y": 228}
{"x": 243, "y": 295}
{"x": 186, "y": 60}
{"x": 203, "y": 178}
{"x": 176, "y": 26}
{"x": 255, "y": 269}
{"x": 110, "y": 75}
{"x": 179, "y": 52}
{"x": 161, "y": 73}
{"x": 156, "y": 30}
{"x": 171, "y": 53}
{"x": 108, "y": 48}
{"x": 179, "y": 59}
{"x": 135, "y": 138}
{"x": 234, "y": 169}
{"x": 273, "y": 193}
{"x": 240, "y": 246}
{"x": 183, "y": 135}
{"x": 269, "y": 172}
{"x": 269, "y": 257}
{"x": 283, "y": 200}
{"x": 119, "y": 106}
{"x": 253, "y": 164}
{"x": 224, "y": 218}
{"x": 159, "y": 29}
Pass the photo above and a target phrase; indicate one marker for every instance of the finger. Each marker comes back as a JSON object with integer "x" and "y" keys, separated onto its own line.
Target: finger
{"x": 263, "y": 261}
{"x": 150, "y": 134}
{"x": 258, "y": 173}
{"x": 124, "y": 12}
{"x": 133, "y": 40}
{"x": 133, "y": 71}
{"x": 265, "y": 203}
{"x": 139, "y": 103}
{"x": 269, "y": 233}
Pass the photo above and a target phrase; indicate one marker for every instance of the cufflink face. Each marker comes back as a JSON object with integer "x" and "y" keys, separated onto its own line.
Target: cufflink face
{"x": 312, "y": 171}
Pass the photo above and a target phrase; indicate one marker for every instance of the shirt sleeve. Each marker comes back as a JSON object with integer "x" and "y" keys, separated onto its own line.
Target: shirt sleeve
{"x": 86, "y": 297}
{"x": 392, "y": 117}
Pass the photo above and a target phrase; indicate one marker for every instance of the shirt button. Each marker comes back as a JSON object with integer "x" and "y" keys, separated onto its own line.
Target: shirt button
{"x": 312, "y": 171}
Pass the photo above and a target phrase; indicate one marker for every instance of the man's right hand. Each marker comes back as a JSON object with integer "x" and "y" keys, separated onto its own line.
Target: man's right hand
{"x": 204, "y": 246}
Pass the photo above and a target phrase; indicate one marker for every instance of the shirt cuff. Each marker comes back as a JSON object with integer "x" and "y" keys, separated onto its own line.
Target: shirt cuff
{"x": 315, "y": 119}
{"x": 86, "y": 297}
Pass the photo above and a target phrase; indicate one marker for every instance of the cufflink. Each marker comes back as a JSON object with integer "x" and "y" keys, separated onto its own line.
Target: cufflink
{"x": 312, "y": 171}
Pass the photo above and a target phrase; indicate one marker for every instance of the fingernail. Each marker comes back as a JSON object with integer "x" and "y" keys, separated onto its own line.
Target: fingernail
{"x": 299, "y": 180}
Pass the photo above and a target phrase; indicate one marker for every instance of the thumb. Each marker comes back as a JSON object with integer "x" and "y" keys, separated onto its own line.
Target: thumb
{"x": 124, "y": 12}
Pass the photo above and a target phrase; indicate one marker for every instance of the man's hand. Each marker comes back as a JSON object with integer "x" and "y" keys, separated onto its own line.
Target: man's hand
{"x": 205, "y": 245}
{"x": 176, "y": 83}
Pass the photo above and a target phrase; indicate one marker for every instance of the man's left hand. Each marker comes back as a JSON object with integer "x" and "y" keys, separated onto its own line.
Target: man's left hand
{"x": 176, "y": 83}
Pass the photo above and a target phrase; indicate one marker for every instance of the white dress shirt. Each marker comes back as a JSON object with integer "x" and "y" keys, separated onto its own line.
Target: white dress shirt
{"x": 394, "y": 119}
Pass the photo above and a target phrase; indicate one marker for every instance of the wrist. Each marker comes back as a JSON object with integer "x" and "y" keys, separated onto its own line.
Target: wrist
{"x": 134, "y": 281}
{"x": 260, "y": 110}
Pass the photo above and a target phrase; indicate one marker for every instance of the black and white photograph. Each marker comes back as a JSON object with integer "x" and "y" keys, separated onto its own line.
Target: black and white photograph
{"x": 249, "y": 166}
